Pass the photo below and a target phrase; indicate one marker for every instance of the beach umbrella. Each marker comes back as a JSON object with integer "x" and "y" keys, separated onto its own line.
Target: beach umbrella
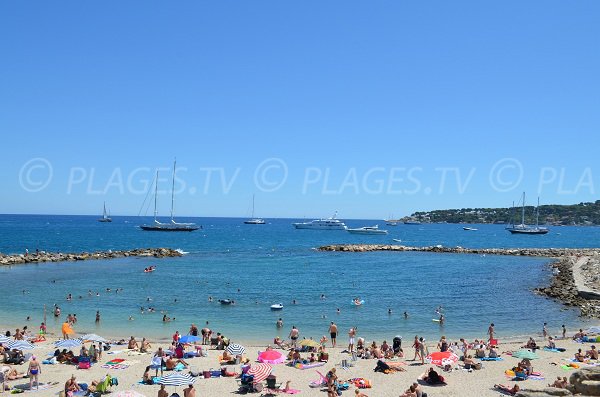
{"x": 442, "y": 358}
{"x": 177, "y": 379}
{"x": 236, "y": 349}
{"x": 309, "y": 343}
{"x": 129, "y": 393}
{"x": 525, "y": 353}
{"x": 271, "y": 357}
{"x": 189, "y": 339}
{"x": 260, "y": 371}
{"x": 20, "y": 345}
{"x": 93, "y": 338}
{"x": 4, "y": 339}
{"x": 68, "y": 343}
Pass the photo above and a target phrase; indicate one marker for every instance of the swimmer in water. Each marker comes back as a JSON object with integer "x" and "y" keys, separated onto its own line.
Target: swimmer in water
{"x": 390, "y": 311}
{"x": 338, "y": 310}
{"x": 280, "y": 323}
{"x": 405, "y": 315}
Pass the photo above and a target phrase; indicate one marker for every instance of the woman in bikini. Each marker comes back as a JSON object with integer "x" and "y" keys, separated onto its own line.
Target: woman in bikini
{"x": 34, "y": 370}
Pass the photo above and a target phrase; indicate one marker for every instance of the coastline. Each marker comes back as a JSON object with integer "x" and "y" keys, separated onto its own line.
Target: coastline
{"x": 575, "y": 281}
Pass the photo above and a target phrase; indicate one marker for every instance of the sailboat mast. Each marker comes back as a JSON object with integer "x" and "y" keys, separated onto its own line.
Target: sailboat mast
{"x": 537, "y": 214}
{"x": 104, "y": 212}
{"x": 252, "y": 207}
{"x": 173, "y": 189}
{"x": 523, "y": 211}
{"x": 155, "y": 194}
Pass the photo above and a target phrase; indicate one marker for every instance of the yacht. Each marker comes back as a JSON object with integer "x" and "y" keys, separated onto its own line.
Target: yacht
{"x": 368, "y": 230}
{"x": 253, "y": 220}
{"x": 322, "y": 224}
{"x": 526, "y": 229}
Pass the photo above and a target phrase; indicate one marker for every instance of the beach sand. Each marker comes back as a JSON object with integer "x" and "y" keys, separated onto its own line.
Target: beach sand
{"x": 459, "y": 382}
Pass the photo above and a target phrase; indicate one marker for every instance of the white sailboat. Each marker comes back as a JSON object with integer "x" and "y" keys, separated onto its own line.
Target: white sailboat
{"x": 172, "y": 226}
{"x": 105, "y": 217}
{"x": 253, "y": 220}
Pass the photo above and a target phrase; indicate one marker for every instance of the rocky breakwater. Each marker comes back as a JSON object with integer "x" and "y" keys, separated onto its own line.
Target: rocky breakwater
{"x": 576, "y": 272}
{"x": 39, "y": 257}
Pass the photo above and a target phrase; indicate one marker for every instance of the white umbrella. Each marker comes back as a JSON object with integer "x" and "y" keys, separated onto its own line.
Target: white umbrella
{"x": 177, "y": 379}
{"x": 93, "y": 338}
{"x": 20, "y": 345}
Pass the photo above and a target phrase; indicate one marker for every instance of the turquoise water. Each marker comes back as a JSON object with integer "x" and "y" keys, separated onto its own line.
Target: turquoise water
{"x": 258, "y": 265}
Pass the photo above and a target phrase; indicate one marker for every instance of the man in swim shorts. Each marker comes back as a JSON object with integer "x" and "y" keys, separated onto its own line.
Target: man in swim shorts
{"x": 333, "y": 331}
{"x": 351, "y": 335}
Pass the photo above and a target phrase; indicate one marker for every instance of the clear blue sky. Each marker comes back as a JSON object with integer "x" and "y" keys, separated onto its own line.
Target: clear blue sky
{"x": 348, "y": 94}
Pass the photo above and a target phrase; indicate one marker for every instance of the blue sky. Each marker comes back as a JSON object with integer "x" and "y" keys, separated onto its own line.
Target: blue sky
{"x": 373, "y": 108}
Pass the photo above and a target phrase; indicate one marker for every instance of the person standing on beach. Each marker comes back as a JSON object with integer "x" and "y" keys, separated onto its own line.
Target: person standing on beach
{"x": 33, "y": 371}
{"x": 491, "y": 331}
{"x": 545, "y": 330}
{"x": 351, "y": 335}
{"x": 564, "y": 332}
{"x": 333, "y": 331}
{"x": 294, "y": 333}
{"x": 417, "y": 348}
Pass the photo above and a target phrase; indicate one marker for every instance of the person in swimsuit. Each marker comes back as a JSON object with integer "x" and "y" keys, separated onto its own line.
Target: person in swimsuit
{"x": 71, "y": 386}
{"x": 333, "y": 333}
{"x": 294, "y": 333}
{"x": 34, "y": 370}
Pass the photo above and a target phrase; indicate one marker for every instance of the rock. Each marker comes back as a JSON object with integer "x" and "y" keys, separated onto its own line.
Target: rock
{"x": 586, "y": 381}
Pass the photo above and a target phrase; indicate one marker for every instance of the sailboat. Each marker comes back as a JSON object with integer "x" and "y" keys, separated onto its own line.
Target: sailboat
{"x": 105, "y": 217}
{"x": 172, "y": 226}
{"x": 253, "y": 220}
{"x": 525, "y": 229}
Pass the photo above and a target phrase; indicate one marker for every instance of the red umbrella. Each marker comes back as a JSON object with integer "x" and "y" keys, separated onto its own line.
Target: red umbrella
{"x": 260, "y": 371}
{"x": 271, "y": 357}
{"x": 442, "y": 358}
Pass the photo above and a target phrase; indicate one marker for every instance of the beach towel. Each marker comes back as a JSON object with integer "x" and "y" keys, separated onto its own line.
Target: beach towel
{"x": 42, "y": 386}
{"x": 491, "y": 359}
{"x": 308, "y": 366}
{"x": 288, "y": 391}
{"x": 556, "y": 350}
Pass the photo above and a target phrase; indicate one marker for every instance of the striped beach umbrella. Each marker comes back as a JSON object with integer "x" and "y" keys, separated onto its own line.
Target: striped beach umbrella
{"x": 260, "y": 371}
{"x": 93, "y": 338}
{"x": 4, "y": 339}
{"x": 68, "y": 343}
{"x": 20, "y": 345}
{"x": 177, "y": 379}
{"x": 236, "y": 349}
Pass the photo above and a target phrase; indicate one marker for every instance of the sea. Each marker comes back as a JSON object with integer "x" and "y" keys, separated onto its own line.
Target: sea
{"x": 260, "y": 265}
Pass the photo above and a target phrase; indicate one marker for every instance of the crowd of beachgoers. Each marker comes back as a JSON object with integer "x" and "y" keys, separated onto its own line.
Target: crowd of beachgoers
{"x": 34, "y": 360}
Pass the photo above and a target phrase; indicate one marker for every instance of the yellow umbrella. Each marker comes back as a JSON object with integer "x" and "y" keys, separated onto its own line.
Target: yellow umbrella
{"x": 309, "y": 343}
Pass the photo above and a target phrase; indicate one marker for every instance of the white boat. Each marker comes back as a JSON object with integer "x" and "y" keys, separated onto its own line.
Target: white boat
{"x": 172, "y": 226}
{"x": 253, "y": 220}
{"x": 368, "y": 230}
{"x": 469, "y": 229}
{"x": 525, "y": 229}
{"x": 277, "y": 306}
{"x": 105, "y": 216}
{"x": 322, "y": 224}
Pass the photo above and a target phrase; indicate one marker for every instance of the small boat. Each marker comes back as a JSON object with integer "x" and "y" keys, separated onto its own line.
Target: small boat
{"x": 226, "y": 301}
{"x": 277, "y": 306}
{"x": 150, "y": 269}
{"x": 105, "y": 216}
{"x": 323, "y": 224}
{"x": 470, "y": 229}
{"x": 397, "y": 240}
{"x": 368, "y": 230}
{"x": 253, "y": 220}
{"x": 412, "y": 222}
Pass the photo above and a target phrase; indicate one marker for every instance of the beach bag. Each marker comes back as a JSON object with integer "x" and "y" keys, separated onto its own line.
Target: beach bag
{"x": 215, "y": 373}
{"x": 84, "y": 365}
{"x": 477, "y": 366}
{"x": 206, "y": 374}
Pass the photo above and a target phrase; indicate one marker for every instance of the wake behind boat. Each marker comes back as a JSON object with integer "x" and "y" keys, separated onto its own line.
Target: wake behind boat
{"x": 172, "y": 226}
{"x": 368, "y": 230}
{"x": 322, "y": 224}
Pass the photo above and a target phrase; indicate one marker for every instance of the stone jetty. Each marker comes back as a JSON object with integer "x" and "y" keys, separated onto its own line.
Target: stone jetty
{"x": 576, "y": 272}
{"x": 39, "y": 257}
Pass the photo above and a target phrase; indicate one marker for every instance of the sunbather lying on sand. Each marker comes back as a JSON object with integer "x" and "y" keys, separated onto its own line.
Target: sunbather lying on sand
{"x": 510, "y": 390}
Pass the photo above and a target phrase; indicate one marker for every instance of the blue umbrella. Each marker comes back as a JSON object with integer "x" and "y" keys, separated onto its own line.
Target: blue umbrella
{"x": 68, "y": 343}
{"x": 20, "y": 345}
{"x": 189, "y": 339}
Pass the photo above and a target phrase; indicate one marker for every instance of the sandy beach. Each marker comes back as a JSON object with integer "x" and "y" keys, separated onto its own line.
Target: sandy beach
{"x": 460, "y": 382}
